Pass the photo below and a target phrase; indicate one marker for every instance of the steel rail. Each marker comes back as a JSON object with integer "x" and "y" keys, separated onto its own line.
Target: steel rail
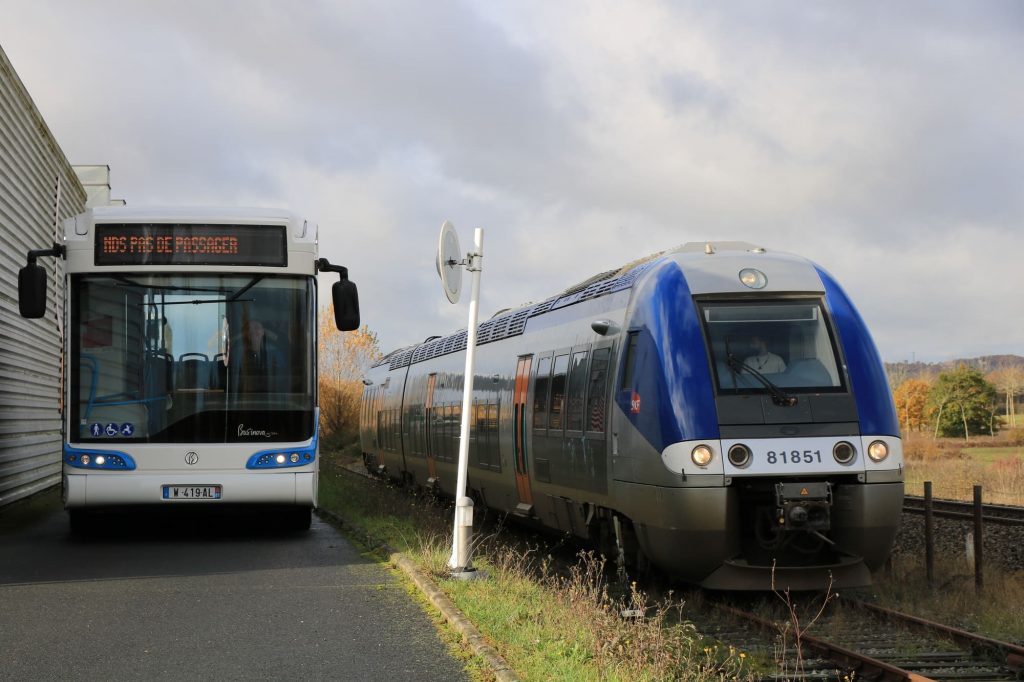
{"x": 864, "y": 665}
{"x": 1012, "y": 655}
{"x": 955, "y": 509}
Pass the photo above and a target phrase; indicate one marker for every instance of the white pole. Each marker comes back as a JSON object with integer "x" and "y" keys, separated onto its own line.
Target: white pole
{"x": 463, "y": 531}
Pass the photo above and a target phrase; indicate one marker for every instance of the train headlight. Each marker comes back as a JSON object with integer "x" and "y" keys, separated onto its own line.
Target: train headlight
{"x": 878, "y": 451}
{"x": 702, "y": 455}
{"x": 844, "y": 452}
{"x": 739, "y": 455}
{"x": 753, "y": 278}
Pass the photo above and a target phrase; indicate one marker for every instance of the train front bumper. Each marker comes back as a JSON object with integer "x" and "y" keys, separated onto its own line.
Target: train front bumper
{"x": 694, "y": 534}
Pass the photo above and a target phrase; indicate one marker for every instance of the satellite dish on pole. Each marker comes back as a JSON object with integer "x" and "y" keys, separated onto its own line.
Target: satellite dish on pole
{"x": 449, "y": 262}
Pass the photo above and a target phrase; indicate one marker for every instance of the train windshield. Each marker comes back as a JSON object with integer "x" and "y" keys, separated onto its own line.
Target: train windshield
{"x": 787, "y": 344}
{"x": 192, "y": 357}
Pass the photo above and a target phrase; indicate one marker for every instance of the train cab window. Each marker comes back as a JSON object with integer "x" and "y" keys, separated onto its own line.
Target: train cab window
{"x": 787, "y": 343}
{"x": 596, "y": 400}
{"x": 575, "y": 394}
{"x": 558, "y": 391}
{"x": 541, "y": 393}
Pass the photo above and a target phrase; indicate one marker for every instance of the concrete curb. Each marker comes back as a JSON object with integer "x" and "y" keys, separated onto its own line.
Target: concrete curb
{"x": 455, "y": 617}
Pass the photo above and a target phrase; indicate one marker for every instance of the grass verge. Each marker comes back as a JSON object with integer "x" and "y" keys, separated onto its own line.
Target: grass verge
{"x": 547, "y": 625}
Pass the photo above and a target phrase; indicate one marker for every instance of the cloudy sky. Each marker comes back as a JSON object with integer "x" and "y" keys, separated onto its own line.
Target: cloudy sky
{"x": 883, "y": 140}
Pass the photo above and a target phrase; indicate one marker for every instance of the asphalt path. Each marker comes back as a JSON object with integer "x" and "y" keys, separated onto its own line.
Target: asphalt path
{"x": 219, "y": 598}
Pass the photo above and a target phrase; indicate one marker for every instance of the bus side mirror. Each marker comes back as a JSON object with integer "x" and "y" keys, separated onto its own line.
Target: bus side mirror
{"x": 345, "y": 297}
{"x": 346, "y": 305}
{"x": 32, "y": 291}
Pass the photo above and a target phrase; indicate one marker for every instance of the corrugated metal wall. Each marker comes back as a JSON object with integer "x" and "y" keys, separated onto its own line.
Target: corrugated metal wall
{"x": 30, "y": 350}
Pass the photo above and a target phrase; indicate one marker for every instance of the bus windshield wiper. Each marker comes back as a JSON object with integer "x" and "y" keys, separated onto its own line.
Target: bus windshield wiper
{"x": 779, "y": 397}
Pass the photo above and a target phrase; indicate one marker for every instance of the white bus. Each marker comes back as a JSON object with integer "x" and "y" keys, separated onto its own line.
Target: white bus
{"x": 190, "y": 356}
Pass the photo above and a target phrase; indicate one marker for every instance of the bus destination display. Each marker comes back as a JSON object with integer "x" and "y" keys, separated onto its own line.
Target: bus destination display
{"x": 169, "y": 244}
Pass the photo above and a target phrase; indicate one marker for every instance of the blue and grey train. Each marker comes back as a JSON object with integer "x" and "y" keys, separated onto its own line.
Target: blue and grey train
{"x": 718, "y": 410}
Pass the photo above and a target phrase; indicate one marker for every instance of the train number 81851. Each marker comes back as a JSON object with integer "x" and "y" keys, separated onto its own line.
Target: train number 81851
{"x": 794, "y": 457}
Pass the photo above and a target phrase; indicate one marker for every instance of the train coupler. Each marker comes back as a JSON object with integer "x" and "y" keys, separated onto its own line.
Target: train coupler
{"x": 804, "y": 506}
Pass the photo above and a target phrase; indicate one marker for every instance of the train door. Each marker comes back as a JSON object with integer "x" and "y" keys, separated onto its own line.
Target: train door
{"x": 432, "y": 431}
{"x": 595, "y": 419}
{"x": 548, "y": 413}
{"x": 519, "y": 440}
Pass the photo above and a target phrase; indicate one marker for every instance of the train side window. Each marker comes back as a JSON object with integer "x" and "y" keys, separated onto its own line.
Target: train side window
{"x": 430, "y": 432}
{"x": 455, "y": 427}
{"x": 541, "y": 389}
{"x": 558, "y": 391}
{"x": 449, "y": 431}
{"x": 630, "y": 361}
{"x": 596, "y": 403}
{"x": 575, "y": 394}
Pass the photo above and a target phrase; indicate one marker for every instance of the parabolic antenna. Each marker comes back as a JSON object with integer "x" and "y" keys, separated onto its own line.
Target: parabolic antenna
{"x": 449, "y": 262}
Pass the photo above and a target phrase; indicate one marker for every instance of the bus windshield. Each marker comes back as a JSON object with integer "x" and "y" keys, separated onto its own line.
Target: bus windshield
{"x": 192, "y": 357}
{"x": 769, "y": 345}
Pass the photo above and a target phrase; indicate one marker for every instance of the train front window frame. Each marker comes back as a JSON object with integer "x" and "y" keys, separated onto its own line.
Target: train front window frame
{"x": 788, "y": 342}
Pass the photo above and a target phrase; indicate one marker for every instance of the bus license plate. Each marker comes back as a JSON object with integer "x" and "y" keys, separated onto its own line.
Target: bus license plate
{"x": 191, "y": 492}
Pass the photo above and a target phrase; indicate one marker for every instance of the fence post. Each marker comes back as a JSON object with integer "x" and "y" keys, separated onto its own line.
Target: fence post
{"x": 929, "y": 534}
{"x": 977, "y": 539}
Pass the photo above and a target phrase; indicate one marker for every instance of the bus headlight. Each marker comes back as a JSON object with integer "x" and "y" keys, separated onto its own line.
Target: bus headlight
{"x": 878, "y": 451}
{"x": 92, "y": 460}
{"x": 702, "y": 455}
{"x": 276, "y": 459}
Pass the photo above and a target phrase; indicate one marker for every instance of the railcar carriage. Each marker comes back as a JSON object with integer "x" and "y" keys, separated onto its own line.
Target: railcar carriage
{"x": 718, "y": 410}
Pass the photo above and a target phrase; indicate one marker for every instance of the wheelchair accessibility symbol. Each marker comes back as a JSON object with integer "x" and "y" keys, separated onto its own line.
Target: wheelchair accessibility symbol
{"x": 113, "y": 429}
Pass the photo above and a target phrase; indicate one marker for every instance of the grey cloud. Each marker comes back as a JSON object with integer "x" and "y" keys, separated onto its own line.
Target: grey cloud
{"x": 880, "y": 140}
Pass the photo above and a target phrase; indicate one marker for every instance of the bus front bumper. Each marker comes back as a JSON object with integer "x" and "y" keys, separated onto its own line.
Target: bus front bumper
{"x": 115, "y": 489}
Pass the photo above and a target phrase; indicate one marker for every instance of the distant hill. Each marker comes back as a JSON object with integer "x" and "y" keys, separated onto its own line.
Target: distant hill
{"x": 985, "y": 364}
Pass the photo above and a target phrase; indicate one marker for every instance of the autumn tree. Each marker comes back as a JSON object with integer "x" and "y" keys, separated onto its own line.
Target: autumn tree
{"x": 911, "y": 398}
{"x": 963, "y": 402}
{"x": 1010, "y": 382}
{"x": 343, "y": 360}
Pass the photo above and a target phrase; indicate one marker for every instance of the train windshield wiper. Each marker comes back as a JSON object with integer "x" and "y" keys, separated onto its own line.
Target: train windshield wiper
{"x": 779, "y": 397}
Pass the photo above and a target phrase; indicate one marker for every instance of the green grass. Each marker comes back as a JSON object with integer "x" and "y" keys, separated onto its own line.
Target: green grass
{"x": 547, "y": 626}
{"x": 987, "y": 456}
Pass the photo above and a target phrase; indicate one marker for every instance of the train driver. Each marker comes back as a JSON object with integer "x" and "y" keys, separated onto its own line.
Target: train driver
{"x": 763, "y": 360}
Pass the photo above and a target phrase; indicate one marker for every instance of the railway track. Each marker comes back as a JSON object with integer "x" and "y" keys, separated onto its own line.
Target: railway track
{"x": 954, "y": 509}
{"x": 852, "y": 640}
{"x": 855, "y": 640}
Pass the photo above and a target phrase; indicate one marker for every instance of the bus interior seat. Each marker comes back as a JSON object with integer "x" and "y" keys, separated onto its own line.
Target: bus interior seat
{"x": 218, "y": 372}
{"x": 193, "y": 371}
